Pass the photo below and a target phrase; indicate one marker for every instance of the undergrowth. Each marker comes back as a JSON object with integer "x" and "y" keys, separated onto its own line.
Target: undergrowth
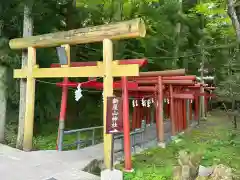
{"x": 47, "y": 139}
{"x": 215, "y": 138}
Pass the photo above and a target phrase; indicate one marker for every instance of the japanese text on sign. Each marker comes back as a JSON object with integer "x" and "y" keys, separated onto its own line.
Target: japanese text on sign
{"x": 114, "y": 115}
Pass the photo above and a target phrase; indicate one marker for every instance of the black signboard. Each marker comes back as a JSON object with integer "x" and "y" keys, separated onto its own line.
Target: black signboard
{"x": 114, "y": 122}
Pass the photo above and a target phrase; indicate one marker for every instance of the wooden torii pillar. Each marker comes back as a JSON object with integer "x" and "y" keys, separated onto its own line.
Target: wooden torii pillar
{"x": 108, "y": 69}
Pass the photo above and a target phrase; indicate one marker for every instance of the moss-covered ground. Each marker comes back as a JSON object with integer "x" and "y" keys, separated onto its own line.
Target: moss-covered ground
{"x": 215, "y": 138}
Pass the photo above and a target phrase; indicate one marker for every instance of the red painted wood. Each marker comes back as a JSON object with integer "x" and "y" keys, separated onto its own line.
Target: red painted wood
{"x": 173, "y": 82}
{"x": 145, "y": 88}
{"x": 183, "y": 96}
{"x": 133, "y": 118}
{"x": 197, "y": 85}
{"x": 180, "y": 113}
{"x": 63, "y": 108}
{"x": 138, "y": 94}
{"x": 176, "y": 72}
{"x": 126, "y": 126}
{"x": 96, "y": 85}
{"x": 172, "y": 115}
{"x": 184, "y": 101}
{"x": 156, "y": 114}
{"x": 160, "y": 109}
{"x": 176, "y": 108}
{"x": 140, "y": 62}
{"x": 196, "y": 108}
{"x": 205, "y": 95}
{"x": 190, "y": 111}
{"x": 138, "y": 122}
{"x": 141, "y": 117}
{"x": 193, "y": 78}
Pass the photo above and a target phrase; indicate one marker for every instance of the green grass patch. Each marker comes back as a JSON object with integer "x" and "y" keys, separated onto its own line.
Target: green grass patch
{"x": 214, "y": 138}
{"x": 49, "y": 141}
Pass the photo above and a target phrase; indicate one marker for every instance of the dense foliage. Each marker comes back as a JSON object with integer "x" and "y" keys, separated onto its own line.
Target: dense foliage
{"x": 206, "y": 36}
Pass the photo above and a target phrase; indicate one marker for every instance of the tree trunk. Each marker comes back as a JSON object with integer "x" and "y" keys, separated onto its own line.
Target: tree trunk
{"x": 3, "y": 101}
{"x": 177, "y": 35}
{"x": 117, "y": 16}
{"x": 233, "y": 15}
{"x": 202, "y": 60}
{"x": 202, "y": 98}
{"x": 27, "y": 31}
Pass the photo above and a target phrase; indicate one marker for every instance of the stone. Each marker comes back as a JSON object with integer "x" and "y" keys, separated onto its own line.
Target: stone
{"x": 162, "y": 145}
{"x": 205, "y": 171}
{"x": 185, "y": 172}
{"x": 178, "y": 140}
{"x": 202, "y": 178}
{"x": 114, "y": 174}
{"x": 177, "y": 173}
{"x": 222, "y": 172}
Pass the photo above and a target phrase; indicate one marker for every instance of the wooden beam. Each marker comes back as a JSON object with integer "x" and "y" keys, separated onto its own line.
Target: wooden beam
{"x": 183, "y": 95}
{"x": 173, "y": 82}
{"x": 87, "y": 71}
{"x": 164, "y": 78}
{"x": 160, "y": 110}
{"x": 60, "y": 72}
{"x": 140, "y": 88}
{"x": 140, "y": 62}
{"x": 115, "y": 31}
{"x": 30, "y": 101}
{"x": 176, "y": 72}
{"x": 107, "y": 91}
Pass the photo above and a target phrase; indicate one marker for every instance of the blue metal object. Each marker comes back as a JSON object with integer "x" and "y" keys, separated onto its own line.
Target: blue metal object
{"x": 79, "y": 143}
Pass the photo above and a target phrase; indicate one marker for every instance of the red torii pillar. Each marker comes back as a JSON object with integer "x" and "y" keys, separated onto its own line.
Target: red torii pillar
{"x": 126, "y": 126}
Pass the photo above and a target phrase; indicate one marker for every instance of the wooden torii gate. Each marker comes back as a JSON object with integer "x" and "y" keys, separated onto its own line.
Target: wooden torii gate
{"x": 106, "y": 69}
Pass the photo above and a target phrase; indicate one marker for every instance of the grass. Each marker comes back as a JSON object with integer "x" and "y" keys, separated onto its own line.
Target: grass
{"x": 215, "y": 138}
{"x": 48, "y": 142}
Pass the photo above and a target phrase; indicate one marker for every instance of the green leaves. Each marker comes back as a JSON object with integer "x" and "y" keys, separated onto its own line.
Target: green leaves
{"x": 217, "y": 19}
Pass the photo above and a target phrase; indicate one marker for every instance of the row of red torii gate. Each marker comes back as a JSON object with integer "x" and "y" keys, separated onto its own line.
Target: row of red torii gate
{"x": 171, "y": 93}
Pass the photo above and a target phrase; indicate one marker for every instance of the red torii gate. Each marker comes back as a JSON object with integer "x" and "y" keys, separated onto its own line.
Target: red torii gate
{"x": 98, "y": 85}
{"x": 197, "y": 94}
{"x": 170, "y": 83}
